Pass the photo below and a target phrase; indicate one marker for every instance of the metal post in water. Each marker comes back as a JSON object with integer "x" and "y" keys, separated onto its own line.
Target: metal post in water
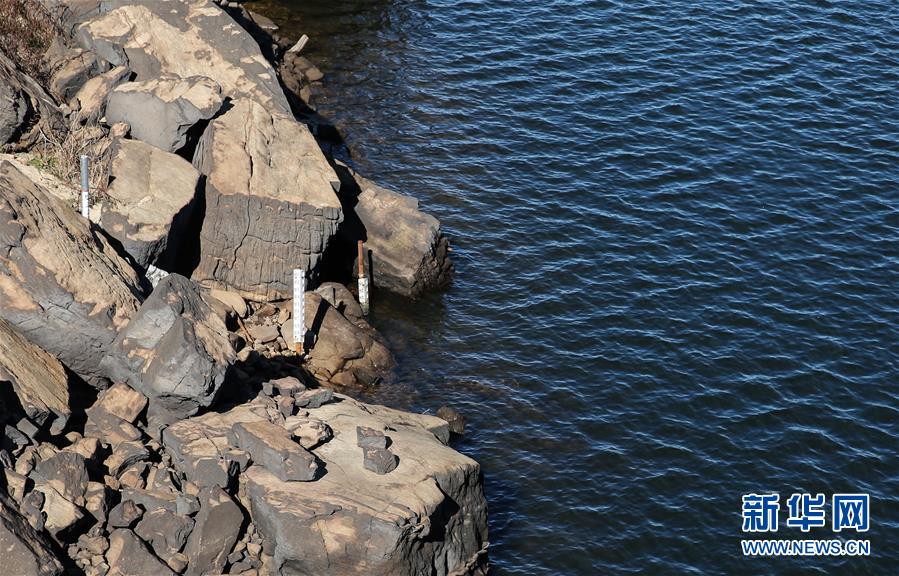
{"x": 363, "y": 280}
{"x": 299, "y": 310}
{"x": 85, "y": 199}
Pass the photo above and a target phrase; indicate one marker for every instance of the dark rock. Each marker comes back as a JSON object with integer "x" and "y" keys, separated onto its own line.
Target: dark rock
{"x": 66, "y": 472}
{"x": 165, "y": 531}
{"x": 270, "y": 446}
{"x": 24, "y": 549}
{"x": 175, "y": 351}
{"x": 70, "y": 70}
{"x": 27, "y": 427}
{"x": 26, "y": 108}
{"x": 63, "y": 517}
{"x": 149, "y": 203}
{"x": 14, "y": 111}
{"x": 125, "y": 514}
{"x": 269, "y": 199}
{"x": 182, "y": 504}
{"x": 454, "y": 418}
{"x": 124, "y": 455}
{"x": 379, "y": 460}
{"x": 370, "y": 438}
{"x": 217, "y": 527}
{"x": 109, "y": 428}
{"x": 160, "y": 111}
{"x": 128, "y": 555}
{"x": 62, "y": 284}
{"x": 314, "y": 398}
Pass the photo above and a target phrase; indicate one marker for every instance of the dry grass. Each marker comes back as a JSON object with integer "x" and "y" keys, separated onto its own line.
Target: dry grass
{"x": 26, "y": 30}
{"x": 60, "y": 155}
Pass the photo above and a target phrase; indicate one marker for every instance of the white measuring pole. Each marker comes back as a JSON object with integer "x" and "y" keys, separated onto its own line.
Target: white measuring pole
{"x": 363, "y": 280}
{"x": 299, "y": 309}
{"x": 85, "y": 200}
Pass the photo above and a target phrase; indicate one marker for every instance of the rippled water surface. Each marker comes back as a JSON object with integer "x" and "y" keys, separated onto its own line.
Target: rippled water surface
{"x": 675, "y": 230}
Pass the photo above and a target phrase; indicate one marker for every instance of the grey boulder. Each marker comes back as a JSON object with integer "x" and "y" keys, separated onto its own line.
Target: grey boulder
{"x": 341, "y": 351}
{"x": 62, "y": 284}
{"x": 161, "y": 111}
{"x": 270, "y": 202}
{"x": 150, "y": 201}
{"x": 175, "y": 351}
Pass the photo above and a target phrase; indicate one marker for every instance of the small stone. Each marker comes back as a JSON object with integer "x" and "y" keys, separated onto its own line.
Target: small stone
{"x": 264, "y": 333}
{"x": 93, "y": 544}
{"x": 270, "y": 446}
{"x": 15, "y": 484}
{"x": 124, "y": 455}
{"x": 254, "y": 549}
{"x": 266, "y": 310}
{"x": 178, "y": 562}
{"x": 235, "y": 557}
{"x": 314, "y": 398}
{"x": 96, "y": 501}
{"x": 379, "y": 460}
{"x": 165, "y": 531}
{"x": 89, "y": 448}
{"x": 454, "y": 418}
{"x": 287, "y": 386}
{"x": 232, "y": 299}
{"x": 25, "y": 426}
{"x": 370, "y": 438}
{"x": 125, "y": 515}
{"x": 309, "y": 432}
{"x": 122, "y": 401}
{"x": 286, "y": 405}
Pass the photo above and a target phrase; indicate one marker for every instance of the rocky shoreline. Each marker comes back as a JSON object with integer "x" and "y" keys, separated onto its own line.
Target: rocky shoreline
{"x": 154, "y": 415}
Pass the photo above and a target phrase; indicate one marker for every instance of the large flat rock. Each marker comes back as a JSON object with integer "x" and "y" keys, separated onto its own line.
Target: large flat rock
{"x": 150, "y": 201}
{"x": 62, "y": 284}
{"x": 183, "y": 38}
{"x": 428, "y": 516}
{"x": 38, "y": 379}
{"x": 270, "y": 202}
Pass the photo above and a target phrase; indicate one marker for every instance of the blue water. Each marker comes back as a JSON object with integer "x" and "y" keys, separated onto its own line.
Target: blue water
{"x": 675, "y": 229}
